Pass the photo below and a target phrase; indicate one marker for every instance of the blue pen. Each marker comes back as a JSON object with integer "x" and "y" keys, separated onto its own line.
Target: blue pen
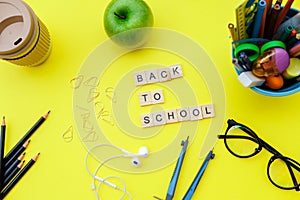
{"x": 188, "y": 195}
{"x": 173, "y": 182}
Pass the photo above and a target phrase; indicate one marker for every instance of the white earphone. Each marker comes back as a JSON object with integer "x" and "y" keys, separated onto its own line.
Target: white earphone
{"x": 135, "y": 161}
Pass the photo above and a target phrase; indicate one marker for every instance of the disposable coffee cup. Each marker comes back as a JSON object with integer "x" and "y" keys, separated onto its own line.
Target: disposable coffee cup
{"x": 24, "y": 39}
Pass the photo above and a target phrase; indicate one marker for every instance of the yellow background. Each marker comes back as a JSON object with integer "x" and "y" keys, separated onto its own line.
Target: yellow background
{"x": 76, "y": 28}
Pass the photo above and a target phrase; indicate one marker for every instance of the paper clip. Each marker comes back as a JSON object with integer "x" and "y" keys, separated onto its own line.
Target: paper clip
{"x": 92, "y": 82}
{"x": 93, "y": 94}
{"x": 90, "y": 137}
{"x": 84, "y": 113}
{"x": 103, "y": 114}
{"x": 110, "y": 93}
{"x": 76, "y": 81}
{"x": 68, "y": 134}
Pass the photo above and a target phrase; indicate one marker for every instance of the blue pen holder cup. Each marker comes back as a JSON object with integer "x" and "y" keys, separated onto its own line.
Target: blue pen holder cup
{"x": 290, "y": 87}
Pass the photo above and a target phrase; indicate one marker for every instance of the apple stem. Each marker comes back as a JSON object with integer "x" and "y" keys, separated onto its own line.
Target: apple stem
{"x": 120, "y": 16}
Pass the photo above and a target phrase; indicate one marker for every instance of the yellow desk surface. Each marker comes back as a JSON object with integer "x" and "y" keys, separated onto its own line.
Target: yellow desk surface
{"x": 76, "y": 28}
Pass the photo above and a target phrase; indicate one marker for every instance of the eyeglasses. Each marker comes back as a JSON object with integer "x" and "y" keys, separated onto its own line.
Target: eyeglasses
{"x": 242, "y": 142}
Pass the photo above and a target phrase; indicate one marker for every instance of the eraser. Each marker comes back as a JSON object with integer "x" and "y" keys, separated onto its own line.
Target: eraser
{"x": 248, "y": 79}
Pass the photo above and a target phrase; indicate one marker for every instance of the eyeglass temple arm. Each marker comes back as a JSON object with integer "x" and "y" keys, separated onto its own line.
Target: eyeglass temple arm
{"x": 293, "y": 176}
{"x": 237, "y": 137}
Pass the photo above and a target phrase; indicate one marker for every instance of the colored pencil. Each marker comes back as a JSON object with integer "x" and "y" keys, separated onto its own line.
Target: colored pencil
{"x": 2, "y": 145}
{"x": 13, "y": 166}
{"x": 19, "y": 176}
{"x": 26, "y": 137}
{"x": 9, "y": 162}
{"x": 12, "y": 174}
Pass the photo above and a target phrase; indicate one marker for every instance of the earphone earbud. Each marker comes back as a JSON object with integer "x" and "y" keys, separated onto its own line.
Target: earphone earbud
{"x": 143, "y": 152}
{"x": 135, "y": 161}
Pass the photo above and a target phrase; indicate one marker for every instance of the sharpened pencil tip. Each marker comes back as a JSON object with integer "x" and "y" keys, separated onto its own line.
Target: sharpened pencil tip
{"x": 25, "y": 145}
{"x": 46, "y": 115}
{"x": 36, "y": 156}
{"x": 3, "y": 121}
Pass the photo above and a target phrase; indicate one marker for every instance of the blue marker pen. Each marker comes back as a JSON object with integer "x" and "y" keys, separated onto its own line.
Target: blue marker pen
{"x": 188, "y": 195}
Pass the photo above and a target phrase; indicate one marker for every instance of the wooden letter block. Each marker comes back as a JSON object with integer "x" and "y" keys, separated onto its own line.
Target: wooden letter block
{"x": 157, "y": 97}
{"x": 195, "y": 113}
{"x": 145, "y": 98}
{"x": 208, "y": 110}
{"x": 140, "y": 78}
{"x": 183, "y": 114}
{"x": 147, "y": 120}
{"x": 164, "y": 74}
{"x": 152, "y": 76}
{"x": 159, "y": 118}
{"x": 176, "y": 71}
{"x": 171, "y": 116}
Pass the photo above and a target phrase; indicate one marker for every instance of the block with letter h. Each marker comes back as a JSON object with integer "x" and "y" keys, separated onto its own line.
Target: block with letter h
{"x": 177, "y": 115}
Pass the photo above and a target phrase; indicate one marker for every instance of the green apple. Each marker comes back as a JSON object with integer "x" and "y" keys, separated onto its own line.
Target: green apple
{"x": 126, "y": 22}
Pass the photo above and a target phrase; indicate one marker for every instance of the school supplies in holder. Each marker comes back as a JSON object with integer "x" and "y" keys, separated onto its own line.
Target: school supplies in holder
{"x": 279, "y": 26}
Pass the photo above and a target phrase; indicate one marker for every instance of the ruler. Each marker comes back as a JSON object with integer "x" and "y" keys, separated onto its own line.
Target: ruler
{"x": 245, "y": 14}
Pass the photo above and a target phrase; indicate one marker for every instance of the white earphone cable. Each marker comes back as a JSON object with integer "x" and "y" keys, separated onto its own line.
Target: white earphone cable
{"x": 101, "y": 181}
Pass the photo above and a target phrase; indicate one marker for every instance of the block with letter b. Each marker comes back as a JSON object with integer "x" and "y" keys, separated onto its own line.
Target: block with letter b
{"x": 140, "y": 78}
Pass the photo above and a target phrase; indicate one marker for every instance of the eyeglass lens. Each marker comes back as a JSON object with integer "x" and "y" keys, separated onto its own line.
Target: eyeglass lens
{"x": 243, "y": 142}
{"x": 239, "y": 142}
{"x": 280, "y": 175}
